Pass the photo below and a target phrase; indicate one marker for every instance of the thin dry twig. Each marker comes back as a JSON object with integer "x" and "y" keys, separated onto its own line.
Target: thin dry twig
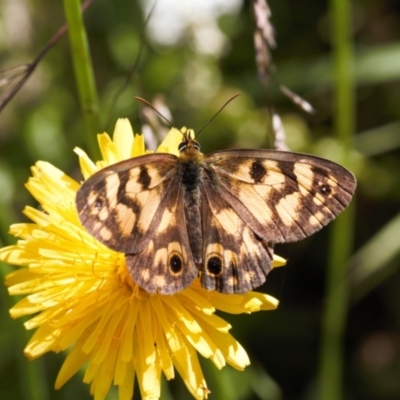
{"x": 296, "y": 99}
{"x": 264, "y": 38}
{"x": 279, "y": 130}
{"x": 264, "y": 41}
{"x": 26, "y": 70}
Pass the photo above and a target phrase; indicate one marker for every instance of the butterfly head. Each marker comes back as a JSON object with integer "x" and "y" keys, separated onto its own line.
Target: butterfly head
{"x": 189, "y": 146}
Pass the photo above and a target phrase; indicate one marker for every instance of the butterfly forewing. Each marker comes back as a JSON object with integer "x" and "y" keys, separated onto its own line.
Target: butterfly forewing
{"x": 282, "y": 196}
{"x": 121, "y": 205}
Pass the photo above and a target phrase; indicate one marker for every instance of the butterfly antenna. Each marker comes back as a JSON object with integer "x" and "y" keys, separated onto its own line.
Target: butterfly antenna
{"x": 154, "y": 109}
{"x": 212, "y": 119}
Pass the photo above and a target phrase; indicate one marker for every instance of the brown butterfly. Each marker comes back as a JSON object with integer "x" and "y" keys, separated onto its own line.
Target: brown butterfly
{"x": 215, "y": 216}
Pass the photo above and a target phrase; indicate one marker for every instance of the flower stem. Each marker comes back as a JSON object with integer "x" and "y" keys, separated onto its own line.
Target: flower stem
{"x": 83, "y": 72}
{"x": 341, "y": 240}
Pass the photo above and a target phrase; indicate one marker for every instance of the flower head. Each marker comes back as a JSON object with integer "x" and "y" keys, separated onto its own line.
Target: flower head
{"x": 84, "y": 299}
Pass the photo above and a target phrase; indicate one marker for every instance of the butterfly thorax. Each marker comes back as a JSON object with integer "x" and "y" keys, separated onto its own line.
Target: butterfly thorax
{"x": 190, "y": 160}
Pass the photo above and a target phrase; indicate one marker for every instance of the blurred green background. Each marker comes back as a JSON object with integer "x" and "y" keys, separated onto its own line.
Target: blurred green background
{"x": 195, "y": 56}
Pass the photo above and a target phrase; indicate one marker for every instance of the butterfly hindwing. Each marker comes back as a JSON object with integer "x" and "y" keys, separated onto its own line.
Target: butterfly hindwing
{"x": 235, "y": 260}
{"x": 166, "y": 265}
{"x": 122, "y": 204}
{"x": 282, "y": 196}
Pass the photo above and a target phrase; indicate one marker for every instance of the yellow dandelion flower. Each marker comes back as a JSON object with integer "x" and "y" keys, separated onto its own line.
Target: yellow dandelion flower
{"x": 84, "y": 299}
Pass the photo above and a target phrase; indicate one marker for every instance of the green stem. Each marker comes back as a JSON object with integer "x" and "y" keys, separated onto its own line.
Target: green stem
{"x": 341, "y": 240}
{"x": 83, "y": 72}
{"x": 33, "y": 374}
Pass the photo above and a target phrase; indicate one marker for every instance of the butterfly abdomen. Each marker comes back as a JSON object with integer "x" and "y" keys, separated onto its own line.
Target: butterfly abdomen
{"x": 191, "y": 177}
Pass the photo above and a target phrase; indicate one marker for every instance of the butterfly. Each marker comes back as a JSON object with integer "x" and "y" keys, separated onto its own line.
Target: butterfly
{"x": 214, "y": 216}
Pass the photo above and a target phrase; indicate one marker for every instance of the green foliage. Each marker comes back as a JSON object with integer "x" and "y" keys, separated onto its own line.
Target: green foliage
{"x": 195, "y": 76}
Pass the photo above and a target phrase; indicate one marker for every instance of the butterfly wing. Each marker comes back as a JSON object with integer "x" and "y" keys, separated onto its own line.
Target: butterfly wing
{"x": 281, "y": 196}
{"x": 250, "y": 200}
{"x": 166, "y": 265}
{"x": 135, "y": 207}
{"x": 235, "y": 260}
{"x": 123, "y": 204}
